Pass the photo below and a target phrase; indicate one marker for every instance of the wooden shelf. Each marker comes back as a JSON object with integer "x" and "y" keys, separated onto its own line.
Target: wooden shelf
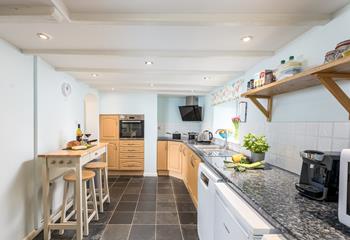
{"x": 325, "y": 74}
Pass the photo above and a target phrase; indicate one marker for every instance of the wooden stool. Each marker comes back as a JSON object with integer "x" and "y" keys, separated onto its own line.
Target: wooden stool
{"x": 102, "y": 189}
{"x": 87, "y": 176}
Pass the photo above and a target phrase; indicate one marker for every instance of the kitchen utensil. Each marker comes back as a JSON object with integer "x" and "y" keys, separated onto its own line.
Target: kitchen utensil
{"x": 205, "y": 136}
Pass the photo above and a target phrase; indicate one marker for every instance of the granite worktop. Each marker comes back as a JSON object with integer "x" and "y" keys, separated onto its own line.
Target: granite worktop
{"x": 272, "y": 193}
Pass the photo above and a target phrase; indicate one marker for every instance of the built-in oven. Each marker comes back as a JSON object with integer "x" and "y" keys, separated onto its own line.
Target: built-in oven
{"x": 132, "y": 127}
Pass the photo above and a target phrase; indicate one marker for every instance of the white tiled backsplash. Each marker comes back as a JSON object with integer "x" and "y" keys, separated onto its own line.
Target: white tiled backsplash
{"x": 287, "y": 139}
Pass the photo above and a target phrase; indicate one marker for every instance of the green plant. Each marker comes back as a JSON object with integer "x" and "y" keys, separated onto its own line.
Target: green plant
{"x": 255, "y": 144}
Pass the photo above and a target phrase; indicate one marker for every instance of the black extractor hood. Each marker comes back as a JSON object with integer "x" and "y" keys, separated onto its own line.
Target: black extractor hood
{"x": 191, "y": 111}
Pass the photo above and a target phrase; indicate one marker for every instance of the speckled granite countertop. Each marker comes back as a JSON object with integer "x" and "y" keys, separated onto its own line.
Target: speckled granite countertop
{"x": 272, "y": 193}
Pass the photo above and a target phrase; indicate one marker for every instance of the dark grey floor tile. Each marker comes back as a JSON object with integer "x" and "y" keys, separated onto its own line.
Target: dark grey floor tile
{"x": 116, "y": 191}
{"x": 103, "y": 218}
{"x": 165, "y": 190}
{"x": 188, "y": 217}
{"x": 67, "y": 235}
{"x": 168, "y": 232}
{"x": 183, "y": 198}
{"x": 142, "y": 232}
{"x": 167, "y": 218}
{"x": 110, "y": 184}
{"x": 129, "y": 198}
{"x": 146, "y": 206}
{"x": 110, "y": 206}
{"x": 135, "y": 184}
{"x": 120, "y": 184}
{"x": 144, "y": 218}
{"x": 95, "y": 232}
{"x": 166, "y": 207}
{"x": 123, "y": 179}
{"x": 147, "y": 197}
{"x": 164, "y": 185}
{"x": 165, "y": 198}
{"x": 132, "y": 190}
{"x": 185, "y": 207}
{"x": 151, "y": 190}
{"x": 181, "y": 190}
{"x": 126, "y": 206}
{"x": 164, "y": 179}
{"x": 122, "y": 218}
{"x": 189, "y": 232}
{"x": 116, "y": 232}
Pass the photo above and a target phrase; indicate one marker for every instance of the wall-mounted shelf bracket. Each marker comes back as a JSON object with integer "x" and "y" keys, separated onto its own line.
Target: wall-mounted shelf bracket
{"x": 266, "y": 111}
{"x": 328, "y": 80}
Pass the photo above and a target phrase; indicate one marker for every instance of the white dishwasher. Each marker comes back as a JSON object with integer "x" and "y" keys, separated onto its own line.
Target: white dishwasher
{"x": 206, "y": 202}
{"x": 235, "y": 219}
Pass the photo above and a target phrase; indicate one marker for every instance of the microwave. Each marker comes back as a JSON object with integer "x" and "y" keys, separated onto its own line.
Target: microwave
{"x": 344, "y": 188}
{"x": 131, "y": 127}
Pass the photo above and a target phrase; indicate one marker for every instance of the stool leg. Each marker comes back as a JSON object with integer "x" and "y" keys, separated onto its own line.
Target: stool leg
{"x": 106, "y": 185}
{"x": 85, "y": 210}
{"x": 93, "y": 195}
{"x": 64, "y": 205}
{"x": 100, "y": 189}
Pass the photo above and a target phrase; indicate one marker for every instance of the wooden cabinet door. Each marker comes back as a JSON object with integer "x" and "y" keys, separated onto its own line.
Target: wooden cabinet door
{"x": 174, "y": 156}
{"x": 162, "y": 156}
{"x": 185, "y": 158}
{"x": 113, "y": 155}
{"x": 109, "y": 127}
{"x": 193, "y": 175}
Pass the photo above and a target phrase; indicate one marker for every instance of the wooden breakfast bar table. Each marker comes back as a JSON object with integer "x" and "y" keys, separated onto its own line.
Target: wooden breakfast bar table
{"x": 68, "y": 159}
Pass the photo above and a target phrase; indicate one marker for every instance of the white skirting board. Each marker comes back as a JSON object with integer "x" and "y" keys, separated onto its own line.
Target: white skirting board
{"x": 150, "y": 174}
{"x": 53, "y": 217}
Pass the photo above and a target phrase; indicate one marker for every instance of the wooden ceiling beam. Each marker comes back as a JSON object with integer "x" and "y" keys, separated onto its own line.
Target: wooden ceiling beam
{"x": 59, "y": 12}
{"x": 152, "y": 53}
{"x": 202, "y": 19}
{"x": 149, "y": 71}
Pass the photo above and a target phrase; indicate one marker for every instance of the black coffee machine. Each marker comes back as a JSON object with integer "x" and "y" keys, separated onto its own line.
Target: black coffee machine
{"x": 319, "y": 178}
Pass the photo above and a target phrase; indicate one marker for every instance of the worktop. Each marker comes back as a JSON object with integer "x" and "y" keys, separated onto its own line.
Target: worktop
{"x": 73, "y": 153}
{"x": 272, "y": 193}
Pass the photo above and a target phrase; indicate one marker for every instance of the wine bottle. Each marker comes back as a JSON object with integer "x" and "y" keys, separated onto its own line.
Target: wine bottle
{"x": 79, "y": 134}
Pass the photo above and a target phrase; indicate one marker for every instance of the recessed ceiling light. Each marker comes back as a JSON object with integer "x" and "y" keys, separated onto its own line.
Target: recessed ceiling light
{"x": 151, "y": 84}
{"x": 112, "y": 89}
{"x": 94, "y": 75}
{"x": 44, "y": 36}
{"x": 246, "y": 38}
{"x": 149, "y": 63}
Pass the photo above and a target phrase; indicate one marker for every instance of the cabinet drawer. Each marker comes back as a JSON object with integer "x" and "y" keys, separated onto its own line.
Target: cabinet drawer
{"x": 96, "y": 154}
{"x": 128, "y": 155}
{"x": 127, "y": 164}
{"x": 131, "y": 149}
{"x": 129, "y": 143}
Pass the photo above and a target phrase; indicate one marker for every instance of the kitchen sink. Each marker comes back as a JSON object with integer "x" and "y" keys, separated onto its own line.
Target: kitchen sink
{"x": 215, "y": 151}
{"x": 208, "y": 147}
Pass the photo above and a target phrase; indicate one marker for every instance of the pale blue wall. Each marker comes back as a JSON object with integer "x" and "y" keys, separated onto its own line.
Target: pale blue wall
{"x": 169, "y": 118}
{"x": 295, "y": 113}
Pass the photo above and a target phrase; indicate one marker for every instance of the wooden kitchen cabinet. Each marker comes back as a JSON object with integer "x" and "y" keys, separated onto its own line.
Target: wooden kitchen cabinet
{"x": 194, "y": 162}
{"x": 174, "y": 157}
{"x": 113, "y": 155}
{"x": 131, "y": 155}
{"x": 185, "y": 159}
{"x": 109, "y": 127}
{"x": 162, "y": 156}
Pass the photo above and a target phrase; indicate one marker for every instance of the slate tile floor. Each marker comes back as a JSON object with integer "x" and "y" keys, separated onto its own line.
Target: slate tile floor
{"x": 143, "y": 208}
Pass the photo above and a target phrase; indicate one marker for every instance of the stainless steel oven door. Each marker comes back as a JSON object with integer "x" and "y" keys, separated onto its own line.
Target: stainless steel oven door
{"x": 131, "y": 129}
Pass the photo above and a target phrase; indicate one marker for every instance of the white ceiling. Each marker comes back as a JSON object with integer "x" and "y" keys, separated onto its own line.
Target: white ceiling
{"x": 195, "y": 45}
